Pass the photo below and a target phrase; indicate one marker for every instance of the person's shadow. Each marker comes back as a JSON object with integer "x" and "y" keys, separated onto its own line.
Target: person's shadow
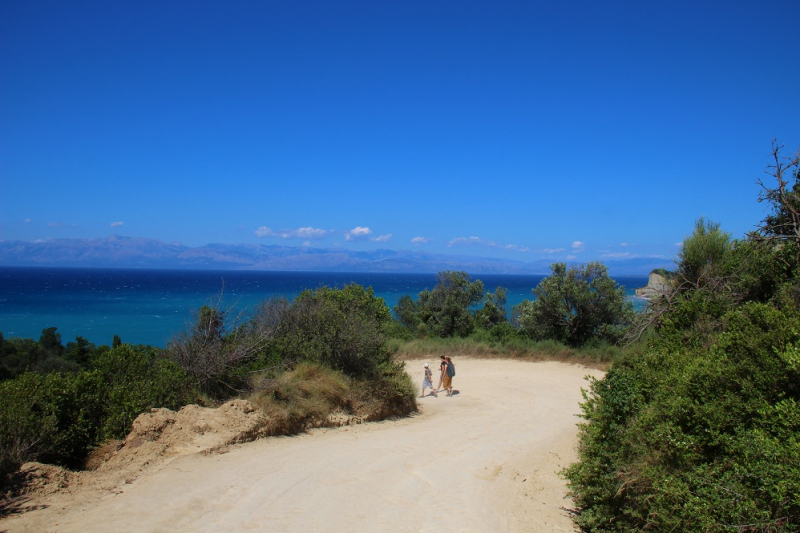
{"x": 455, "y": 391}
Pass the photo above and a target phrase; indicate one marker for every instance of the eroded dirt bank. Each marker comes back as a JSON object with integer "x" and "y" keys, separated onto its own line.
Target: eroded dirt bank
{"x": 483, "y": 460}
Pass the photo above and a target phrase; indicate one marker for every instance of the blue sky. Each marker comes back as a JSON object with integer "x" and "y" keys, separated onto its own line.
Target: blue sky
{"x": 523, "y": 130}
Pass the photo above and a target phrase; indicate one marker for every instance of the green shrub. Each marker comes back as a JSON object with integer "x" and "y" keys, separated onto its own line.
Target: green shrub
{"x": 345, "y": 329}
{"x": 134, "y": 380}
{"x": 703, "y": 253}
{"x": 52, "y": 418}
{"x": 701, "y": 439}
{"x": 394, "y": 389}
{"x": 58, "y": 418}
{"x": 27, "y": 423}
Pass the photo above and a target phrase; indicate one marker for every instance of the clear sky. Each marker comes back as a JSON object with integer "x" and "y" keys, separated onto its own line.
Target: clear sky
{"x": 522, "y": 130}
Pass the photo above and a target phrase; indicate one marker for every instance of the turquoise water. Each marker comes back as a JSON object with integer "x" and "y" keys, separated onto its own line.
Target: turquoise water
{"x": 150, "y": 306}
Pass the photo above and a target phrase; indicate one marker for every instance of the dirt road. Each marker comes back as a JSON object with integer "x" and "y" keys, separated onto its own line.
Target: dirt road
{"x": 482, "y": 460}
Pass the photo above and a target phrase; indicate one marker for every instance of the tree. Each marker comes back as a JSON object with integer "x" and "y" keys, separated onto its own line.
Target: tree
{"x": 445, "y": 310}
{"x": 493, "y": 311}
{"x": 702, "y": 254}
{"x": 407, "y": 312}
{"x": 50, "y": 342}
{"x": 574, "y": 305}
{"x": 79, "y": 351}
{"x": 784, "y": 198}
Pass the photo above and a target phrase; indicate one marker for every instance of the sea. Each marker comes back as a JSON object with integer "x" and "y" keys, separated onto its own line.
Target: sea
{"x": 151, "y": 306}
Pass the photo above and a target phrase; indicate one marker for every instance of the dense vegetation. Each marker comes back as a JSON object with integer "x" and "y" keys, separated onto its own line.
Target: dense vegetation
{"x": 60, "y": 416}
{"x": 58, "y": 402}
{"x": 575, "y": 307}
{"x": 697, "y": 426}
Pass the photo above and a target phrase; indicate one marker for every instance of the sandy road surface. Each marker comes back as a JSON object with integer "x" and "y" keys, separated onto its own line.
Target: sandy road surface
{"x": 483, "y": 460}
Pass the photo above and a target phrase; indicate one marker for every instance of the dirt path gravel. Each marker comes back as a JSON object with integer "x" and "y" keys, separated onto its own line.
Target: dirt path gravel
{"x": 483, "y": 460}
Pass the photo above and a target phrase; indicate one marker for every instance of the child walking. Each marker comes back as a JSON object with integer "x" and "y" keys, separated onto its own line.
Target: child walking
{"x": 427, "y": 382}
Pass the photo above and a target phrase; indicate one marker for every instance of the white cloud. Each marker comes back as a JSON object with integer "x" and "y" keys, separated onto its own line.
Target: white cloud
{"x": 477, "y": 241}
{"x": 299, "y": 233}
{"x": 470, "y": 241}
{"x": 116, "y": 224}
{"x": 311, "y": 233}
{"x": 551, "y": 250}
{"x": 356, "y": 234}
{"x": 578, "y": 246}
{"x": 624, "y": 244}
{"x": 382, "y": 238}
{"x": 616, "y": 254}
{"x": 571, "y": 257}
{"x": 420, "y": 240}
{"x": 516, "y": 248}
{"x": 27, "y": 220}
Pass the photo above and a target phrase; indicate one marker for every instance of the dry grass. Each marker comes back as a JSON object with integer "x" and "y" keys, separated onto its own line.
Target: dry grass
{"x": 303, "y": 398}
{"x": 314, "y": 395}
{"x": 432, "y": 348}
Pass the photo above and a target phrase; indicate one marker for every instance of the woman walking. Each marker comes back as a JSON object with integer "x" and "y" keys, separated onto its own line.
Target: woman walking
{"x": 442, "y": 372}
{"x": 449, "y": 372}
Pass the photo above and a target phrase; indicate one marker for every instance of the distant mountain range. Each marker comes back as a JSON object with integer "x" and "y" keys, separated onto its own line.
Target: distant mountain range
{"x": 138, "y": 252}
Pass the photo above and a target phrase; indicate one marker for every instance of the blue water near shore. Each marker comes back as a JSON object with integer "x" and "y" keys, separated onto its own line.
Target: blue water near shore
{"x": 150, "y": 306}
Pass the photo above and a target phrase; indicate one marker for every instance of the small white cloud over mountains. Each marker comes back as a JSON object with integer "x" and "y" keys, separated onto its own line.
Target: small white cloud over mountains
{"x": 420, "y": 240}
{"x": 516, "y": 248}
{"x": 357, "y": 234}
{"x": 477, "y": 241}
{"x": 308, "y": 233}
{"x": 616, "y": 255}
{"x": 470, "y": 241}
{"x": 116, "y": 224}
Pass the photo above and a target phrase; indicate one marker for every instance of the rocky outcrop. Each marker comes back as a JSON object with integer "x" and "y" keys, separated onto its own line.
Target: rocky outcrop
{"x": 659, "y": 282}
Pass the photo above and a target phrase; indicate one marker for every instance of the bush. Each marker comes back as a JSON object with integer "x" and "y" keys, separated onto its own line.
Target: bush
{"x": 216, "y": 347}
{"x": 51, "y": 418}
{"x": 703, "y": 253}
{"x": 303, "y": 397}
{"x": 575, "y": 305}
{"x": 134, "y": 380}
{"x": 306, "y": 396}
{"x": 58, "y": 418}
{"x": 692, "y": 440}
{"x": 345, "y": 329}
{"x": 27, "y": 423}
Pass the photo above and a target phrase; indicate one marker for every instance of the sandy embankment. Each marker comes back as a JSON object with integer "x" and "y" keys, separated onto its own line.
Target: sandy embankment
{"x": 483, "y": 460}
